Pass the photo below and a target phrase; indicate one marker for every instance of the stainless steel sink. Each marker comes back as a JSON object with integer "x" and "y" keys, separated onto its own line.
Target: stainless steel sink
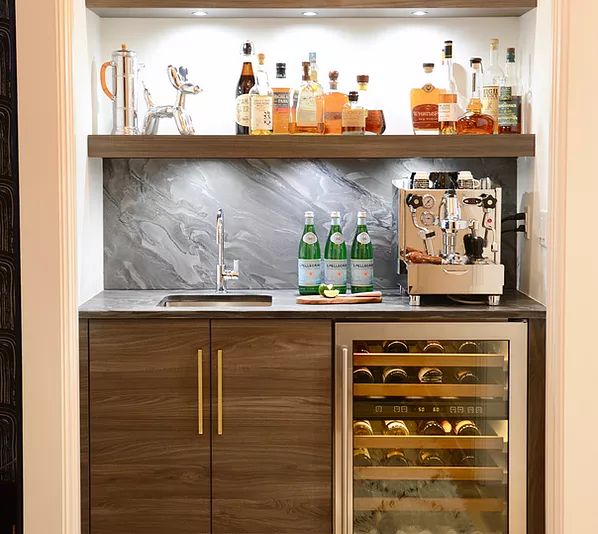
{"x": 225, "y": 300}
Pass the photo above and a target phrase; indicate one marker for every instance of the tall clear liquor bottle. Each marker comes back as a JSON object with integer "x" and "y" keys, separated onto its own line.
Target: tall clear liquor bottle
{"x": 362, "y": 258}
{"x": 246, "y": 82}
{"x": 335, "y": 255}
{"x": 309, "y": 258}
{"x": 334, "y": 100}
{"x": 313, "y": 67}
{"x": 447, "y": 105}
{"x": 493, "y": 78}
{"x": 261, "y": 102}
{"x": 374, "y": 122}
{"x": 509, "y": 104}
{"x": 474, "y": 122}
{"x": 307, "y": 115}
{"x": 281, "y": 103}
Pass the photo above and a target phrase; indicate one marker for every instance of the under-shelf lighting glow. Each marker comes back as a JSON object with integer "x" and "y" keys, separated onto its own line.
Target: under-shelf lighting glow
{"x": 200, "y": 14}
{"x": 419, "y": 13}
{"x": 310, "y": 13}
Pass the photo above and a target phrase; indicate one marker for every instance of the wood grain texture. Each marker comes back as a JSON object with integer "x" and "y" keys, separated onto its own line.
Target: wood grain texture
{"x": 272, "y": 466}
{"x": 84, "y": 421}
{"x": 310, "y": 147}
{"x": 536, "y": 427}
{"x": 150, "y": 470}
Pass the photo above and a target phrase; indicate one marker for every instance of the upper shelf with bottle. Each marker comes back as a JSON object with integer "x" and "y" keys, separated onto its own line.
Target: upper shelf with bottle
{"x": 301, "y": 8}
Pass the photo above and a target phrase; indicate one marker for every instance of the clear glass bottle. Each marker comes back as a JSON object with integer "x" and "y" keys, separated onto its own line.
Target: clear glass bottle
{"x": 307, "y": 114}
{"x": 374, "y": 122}
{"x": 353, "y": 116}
{"x": 334, "y": 100}
{"x": 492, "y": 79}
{"x": 246, "y": 82}
{"x": 362, "y": 258}
{"x": 424, "y": 104}
{"x": 309, "y": 259}
{"x": 313, "y": 67}
{"x": 448, "y": 107}
{"x": 261, "y": 102}
{"x": 474, "y": 122}
{"x": 281, "y": 101}
{"x": 335, "y": 255}
{"x": 509, "y": 100}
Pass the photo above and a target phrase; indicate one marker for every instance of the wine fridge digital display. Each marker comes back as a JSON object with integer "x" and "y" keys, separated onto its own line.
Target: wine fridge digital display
{"x": 431, "y": 428}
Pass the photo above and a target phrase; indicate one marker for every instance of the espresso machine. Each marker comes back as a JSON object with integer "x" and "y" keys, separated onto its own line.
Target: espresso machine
{"x": 449, "y": 236}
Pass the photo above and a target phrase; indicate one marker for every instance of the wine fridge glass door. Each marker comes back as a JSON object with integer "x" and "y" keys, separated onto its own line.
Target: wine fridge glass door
{"x": 431, "y": 428}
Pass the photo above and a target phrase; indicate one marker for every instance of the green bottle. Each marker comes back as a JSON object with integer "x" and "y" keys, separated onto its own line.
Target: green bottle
{"x": 309, "y": 262}
{"x": 335, "y": 255}
{"x": 362, "y": 258}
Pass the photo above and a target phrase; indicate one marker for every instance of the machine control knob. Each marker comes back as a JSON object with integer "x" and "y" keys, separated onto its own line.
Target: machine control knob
{"x": 414, "y": 201}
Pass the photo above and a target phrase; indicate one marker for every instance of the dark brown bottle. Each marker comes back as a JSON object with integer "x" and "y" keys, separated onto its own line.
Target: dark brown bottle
{"x": 362, "y": 458}
{"x": 362, "y": 375}
{"x": 465, "y": 458}
{"x": 430, "y": 458}
{"x": 395, "y": 457}
{"x": 433, "y": 427}
{"x": 395, "y": 347}
{"x": 466, "y": 376}
{"x": 394, "y": 375}
{"x": 467, "y": 428}
{"x": 246, "y": 82}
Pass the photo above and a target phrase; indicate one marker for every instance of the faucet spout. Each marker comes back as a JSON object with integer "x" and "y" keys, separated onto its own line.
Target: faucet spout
{"x": 222, "y": 273}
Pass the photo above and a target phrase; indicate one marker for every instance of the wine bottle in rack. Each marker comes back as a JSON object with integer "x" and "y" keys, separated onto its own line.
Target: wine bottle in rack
{"x": 464, "y": 458}
{"x": 469, "y": 347}
{"x": 395, "y": 458}
{"x": 362, "y": 458}
{"x": 363, "y": 375}
{"x": 430, "y": 375}
{"x": 434, "y": 347}
{"x": 430, "y": 458}
{"x": 466, "y": 376}
{"x": 362, "y": 427}
{"x": 395, "y": 427}
{"x": 433, "y": 427}
{"x": 466, "y": 427}
{"x": 395, "y": 347}
{"x": 394, "y": 375}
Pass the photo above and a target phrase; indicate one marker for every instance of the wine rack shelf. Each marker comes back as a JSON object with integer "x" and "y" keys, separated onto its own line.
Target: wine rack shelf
{"x": 364, "y": 504}
{"x": 495, "y": 474}
{"x": 425, "y": 359}
{"x": 430, "y": 442}
{"x": 309, "y": 147}
{"x": 428, "y": 390}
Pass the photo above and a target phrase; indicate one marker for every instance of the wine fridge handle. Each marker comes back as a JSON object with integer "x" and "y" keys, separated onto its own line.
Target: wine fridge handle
{"x": 344, "y": 427}
{"x": 220, "y": 356}
{"x": 200, "y": 392}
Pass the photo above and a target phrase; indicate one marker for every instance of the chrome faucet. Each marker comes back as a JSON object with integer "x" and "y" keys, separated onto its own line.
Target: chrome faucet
{"x": 222, "y": 273}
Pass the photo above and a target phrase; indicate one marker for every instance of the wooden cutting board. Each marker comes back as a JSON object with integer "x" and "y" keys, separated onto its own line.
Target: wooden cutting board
{"x": 358, "y": 298}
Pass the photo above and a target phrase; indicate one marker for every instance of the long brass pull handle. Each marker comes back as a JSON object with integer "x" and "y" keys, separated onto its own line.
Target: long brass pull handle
{"x": 200, "y": 392}
{"x": 220, "y": 393}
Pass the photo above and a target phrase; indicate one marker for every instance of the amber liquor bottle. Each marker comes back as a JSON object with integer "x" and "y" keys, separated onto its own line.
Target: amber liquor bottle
{"x": 246, "y": 82}
{"x": 307, "y": 115}
{"x": 334, "y": 101}
{"x": 282, "y": 99}
{"x": 374, "y": 122}
{"x": 474, "y": 122}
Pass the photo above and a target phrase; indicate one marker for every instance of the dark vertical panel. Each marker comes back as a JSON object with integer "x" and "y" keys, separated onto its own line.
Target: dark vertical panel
{"x": 10, "y": 313}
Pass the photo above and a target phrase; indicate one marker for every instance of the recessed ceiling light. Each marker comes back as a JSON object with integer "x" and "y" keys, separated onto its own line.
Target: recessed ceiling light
{"x": 200, "y": 13}
{"x": 419, "y": 13}
{"x": 309, "y": 14}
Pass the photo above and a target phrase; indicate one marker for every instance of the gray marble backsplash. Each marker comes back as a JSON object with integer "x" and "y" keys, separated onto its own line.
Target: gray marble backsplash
{"x": 159, "y": 215}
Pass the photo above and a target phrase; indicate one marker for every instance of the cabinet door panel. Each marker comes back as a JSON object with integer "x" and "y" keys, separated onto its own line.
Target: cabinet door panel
{"x": 149, "y": 467}
{"x": 272, "y": 465}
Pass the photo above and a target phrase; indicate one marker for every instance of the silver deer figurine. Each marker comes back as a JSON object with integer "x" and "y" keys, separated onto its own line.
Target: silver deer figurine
{"x": 181, "y": 117}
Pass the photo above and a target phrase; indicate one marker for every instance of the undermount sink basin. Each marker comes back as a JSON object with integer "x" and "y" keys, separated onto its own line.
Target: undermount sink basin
{"x": 215, "y": 301}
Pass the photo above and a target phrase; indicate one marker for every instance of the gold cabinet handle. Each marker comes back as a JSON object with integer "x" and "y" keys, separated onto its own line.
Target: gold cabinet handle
{"x": 220, "y": 393}
{"x": 200, "y": 392}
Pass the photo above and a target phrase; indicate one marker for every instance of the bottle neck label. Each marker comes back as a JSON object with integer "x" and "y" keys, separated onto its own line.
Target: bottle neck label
{"x": 309, "y": 272}
{"x": 364, "y": 238}
{"x": 337, "y": 238}
{"x": 310, "y": 238}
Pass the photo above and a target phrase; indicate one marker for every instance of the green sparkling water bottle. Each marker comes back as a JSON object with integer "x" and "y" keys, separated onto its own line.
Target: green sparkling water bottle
{"x": 335, "y": 255}
{"x": 362, "y": 258}
{"x": 309, "y": 263}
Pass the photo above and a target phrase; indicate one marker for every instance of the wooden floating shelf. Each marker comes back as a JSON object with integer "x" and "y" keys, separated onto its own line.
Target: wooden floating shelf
{"x": 427, "y": 359}
{"x": 428, "y": 390}
{"x": 494, "y": 443}
{"x": 310, "y": 147}
{"x": 495, "y": 474}
{"x": 364, "y": 504}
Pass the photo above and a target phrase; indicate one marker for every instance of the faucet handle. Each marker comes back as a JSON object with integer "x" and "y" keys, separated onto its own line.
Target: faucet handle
{"x": 236, "y": 266}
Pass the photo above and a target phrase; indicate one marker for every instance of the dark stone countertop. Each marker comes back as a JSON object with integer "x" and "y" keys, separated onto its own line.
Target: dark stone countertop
{"x": 135, "y": 304}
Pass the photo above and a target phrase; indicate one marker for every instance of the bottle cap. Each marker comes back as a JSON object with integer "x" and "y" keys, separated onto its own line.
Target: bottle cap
{"x": 511, "y": 55}
{"x": 312, "y": 57}
{"x": 363, "y": 78}
{"x": 475, "y": 60}
{"x": 353, "y": 96}
{"x": 261, "y": 57}
{"x": 448, "y": 49}
{"x": 428, "y": 65}
{"x": 281, "y": 70}
{"x": 309, "y": 214}
{"x": 494, "y": 44}
{"x": 247, "y": 48}
{"x": 362, "y": 214}
{"x": 333, "y": 75}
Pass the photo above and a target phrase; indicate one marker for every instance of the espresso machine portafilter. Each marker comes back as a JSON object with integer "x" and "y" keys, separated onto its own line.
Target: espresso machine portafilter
{"x": 451, "y": 224}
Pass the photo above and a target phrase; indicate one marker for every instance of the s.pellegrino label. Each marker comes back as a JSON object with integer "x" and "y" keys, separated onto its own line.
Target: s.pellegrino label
{"x": 309, "y": 265}
{"x": 335, "y": 256}
{"x": 362, "y": 258}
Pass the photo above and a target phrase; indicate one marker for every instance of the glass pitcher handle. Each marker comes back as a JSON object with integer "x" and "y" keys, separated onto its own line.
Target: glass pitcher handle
{"x": 103, "y": 70}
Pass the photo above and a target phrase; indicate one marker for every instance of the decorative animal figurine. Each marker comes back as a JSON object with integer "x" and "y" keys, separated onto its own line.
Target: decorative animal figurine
{"x": 181, "y": 117}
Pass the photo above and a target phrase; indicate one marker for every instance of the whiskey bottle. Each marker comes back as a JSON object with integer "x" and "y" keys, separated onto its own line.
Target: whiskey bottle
{"x": 307, "y": 115}
{"x": 363, "y": 375}
{"x": 447, "y": 103}
{"x": 430, "y": 375}
{"x": 334, "y": 101}
{"x": 335, "y": 255}
{"x": 362, "y": 258}
{"x": 374, "y": 122}
{"x": 362, "y": 428}
{"x": 395, "y": 427}
{"x": 493, "y": 78}
{"x": 394, "y": 375}
{"x": 466, "y": 427}
{"x": 509, "y": 99}
{"x": 395, "y": 347}
{"x": 362, "y": 458}
{"x": 353, "y": 116}
{"x": 246, "y": 82}
{"x": 309, "y": 262}
{"x": 261, "y": 101}
{"x": 474, "y": 122}
{"x": 281, "y": 101}
{"x": 424, "y": 104}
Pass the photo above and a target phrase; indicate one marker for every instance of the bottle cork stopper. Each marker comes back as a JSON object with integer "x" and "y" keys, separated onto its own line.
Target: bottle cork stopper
{"x": 333, "y": 75}
{"x": 261, "y": 58}
{"x": 363, "y": 78}
{"x": 123, "y": 46}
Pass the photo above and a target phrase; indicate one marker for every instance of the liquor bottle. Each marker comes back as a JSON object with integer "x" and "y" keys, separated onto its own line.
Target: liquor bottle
{"x": 313, "y": 67}
{"x": 509, "y": 99}
{"x": 362, "y": 458}
{"x": 395, "y": 347}
{"x": 474, "y": 122}
{"x": 246, "y": 82}
{"x": 433, "y": 427}
{"x": 447, "y": 104}
{"x": 309, "y": 262}
{"x": 363, "y": 375}
{"x": 374, "y": 122}
{"x": 430, "y": 458}
{"x": 281, "y": 101}
{"x": 261, "y": 101}
{"x": 493, "y": 78}
{"x": 362, "y": 258}
{"x": 362, "y": 428}
{"x": 430, "y": 375}
{"x": 335, "y": 255}
{"x": 334, "y": 101}
{"x": 467, "y": 428}
{"x": 424, "y": 104}
{"x": 307, "y": 115}
{"x": 466, "y": 376}
{"x": 396, "y": 427}
{"x": 353, "y": 116}
{"x": 394, "y": 375}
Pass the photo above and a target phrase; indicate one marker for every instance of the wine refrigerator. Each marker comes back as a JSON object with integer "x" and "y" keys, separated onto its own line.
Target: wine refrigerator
{"x": 430, "y": 428}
